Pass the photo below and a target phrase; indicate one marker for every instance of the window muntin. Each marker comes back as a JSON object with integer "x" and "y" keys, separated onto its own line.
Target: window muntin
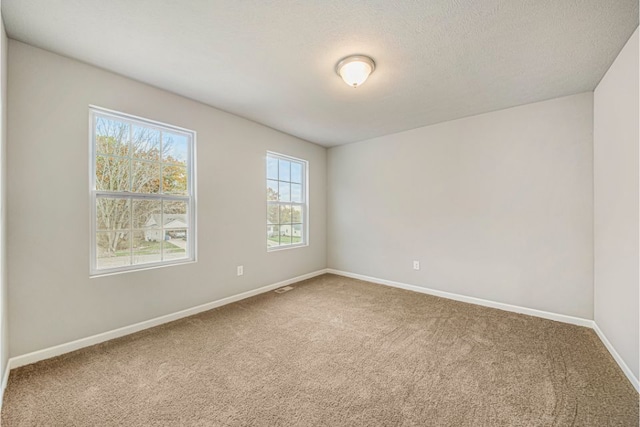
{"x": 286, "y": 202}
{"x": 142, "y": 192}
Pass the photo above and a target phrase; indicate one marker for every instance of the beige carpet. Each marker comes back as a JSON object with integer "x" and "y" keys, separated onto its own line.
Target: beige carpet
{"x": 333, "y": 352}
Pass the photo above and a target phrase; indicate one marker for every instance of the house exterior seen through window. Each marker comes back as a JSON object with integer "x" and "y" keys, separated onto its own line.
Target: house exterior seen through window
{"x": 287, "y": 217}
{"x": 142, "y": 193}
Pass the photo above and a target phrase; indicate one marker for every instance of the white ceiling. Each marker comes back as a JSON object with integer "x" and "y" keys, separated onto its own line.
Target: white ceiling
{"x": 272, "y": 61}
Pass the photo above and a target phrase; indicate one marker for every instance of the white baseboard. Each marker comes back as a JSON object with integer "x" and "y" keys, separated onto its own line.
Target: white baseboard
{"x": 472, "y": 300}
{"x": 57, "y": 350}
{"x": 625, "y": 368}
{"x": 502, "y": 306}
{"x": 47, "y": 353}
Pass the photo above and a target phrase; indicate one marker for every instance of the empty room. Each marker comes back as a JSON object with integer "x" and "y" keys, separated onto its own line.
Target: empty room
{"x": 319, "y": 213}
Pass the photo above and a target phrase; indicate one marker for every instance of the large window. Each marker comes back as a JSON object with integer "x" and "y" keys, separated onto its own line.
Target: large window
{"x": 142, "y": 193}
{"x": 286, "y": 202}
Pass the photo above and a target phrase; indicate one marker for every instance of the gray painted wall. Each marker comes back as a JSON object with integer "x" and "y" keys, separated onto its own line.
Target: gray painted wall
{"x": 497, "y": 206}
{"x": 616, "y": 204}
{"x": 4, "y": 298}
{"x": 52, "y": 299}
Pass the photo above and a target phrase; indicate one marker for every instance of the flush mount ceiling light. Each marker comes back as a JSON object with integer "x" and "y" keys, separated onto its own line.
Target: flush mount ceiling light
{"x": 355, "y": 69}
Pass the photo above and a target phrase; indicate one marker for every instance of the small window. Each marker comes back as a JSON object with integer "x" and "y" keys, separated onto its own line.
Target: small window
{"x": 287, "y": 202}
{"x": 142, "y": 193}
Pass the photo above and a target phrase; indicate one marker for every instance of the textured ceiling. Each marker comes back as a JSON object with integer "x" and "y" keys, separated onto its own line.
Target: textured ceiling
{"x": 273, "y": 61}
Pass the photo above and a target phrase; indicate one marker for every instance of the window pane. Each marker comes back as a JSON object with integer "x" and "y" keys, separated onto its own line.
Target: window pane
{"x": 284, "y": 170}
{"x": 272, "y": 214}
{"x": 284, "y": 191}
{"x": 112, "y": 136}
{"x": 272, "y": 168}
{"x": 285, "y": 214}
{"x": 175, "y": 244}
{"x": 297, "y": 233}
{"x": 175, "y": 148}
{"x": 273, "y": 235}
{"x": 174, "y": 180}
{"x": 175, "y": 207}
{"x": 146, "y": 248}
{"x": 146, "y": 143}
{"x": 296, "y": 172}
{"x": 296, "y": 193}
{"x": 175, "y": 215}
{"x": 272, "y": 190}
{"x": 147, "y": 215}
{"x": 112, "y": 249}
{"x": 285, "y": 234}
{"x": 112, "y": 214}
{"x": 296, "y": 214}
{"x": 112, "y": 173}
{"x": 146, "y": 177}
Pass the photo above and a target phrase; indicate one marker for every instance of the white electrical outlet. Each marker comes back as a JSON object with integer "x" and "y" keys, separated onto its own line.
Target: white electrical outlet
{"x": 240, "y": 270}
{"x": 416, "y": 265}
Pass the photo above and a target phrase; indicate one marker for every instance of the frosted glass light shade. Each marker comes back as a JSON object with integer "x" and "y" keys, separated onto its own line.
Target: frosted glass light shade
{"x": 355, "y": 70}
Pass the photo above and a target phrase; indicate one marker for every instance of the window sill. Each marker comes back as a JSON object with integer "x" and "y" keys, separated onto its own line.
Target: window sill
{"x": 284, "y": 248}
{"x": 112, "y": 272}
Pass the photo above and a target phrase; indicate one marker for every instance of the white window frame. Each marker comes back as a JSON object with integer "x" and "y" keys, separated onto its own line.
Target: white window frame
{"x": 304, "y": 204}
{"x": 190, "y": 198}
